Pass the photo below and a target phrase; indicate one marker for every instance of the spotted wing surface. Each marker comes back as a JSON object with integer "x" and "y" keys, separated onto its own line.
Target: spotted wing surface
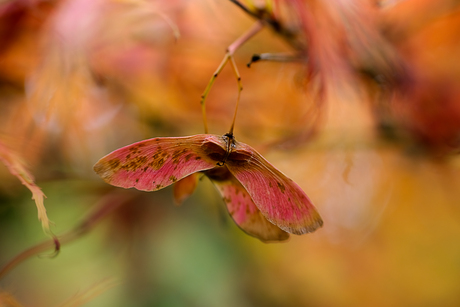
{"x": 242, "y": 209}
{"x": 279, "y": 198}
{"x": 153, "y": 164}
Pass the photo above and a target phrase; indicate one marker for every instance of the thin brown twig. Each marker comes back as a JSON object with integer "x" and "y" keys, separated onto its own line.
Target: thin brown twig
{"x": 104, "y": 207}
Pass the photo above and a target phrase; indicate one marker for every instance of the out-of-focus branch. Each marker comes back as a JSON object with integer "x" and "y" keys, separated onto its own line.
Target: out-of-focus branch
{"x": 266, "y": 16}
{"x": 104, "y": 207}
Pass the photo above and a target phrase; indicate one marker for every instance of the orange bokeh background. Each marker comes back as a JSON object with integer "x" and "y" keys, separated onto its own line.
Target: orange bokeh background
{"x": 80, "y": 78}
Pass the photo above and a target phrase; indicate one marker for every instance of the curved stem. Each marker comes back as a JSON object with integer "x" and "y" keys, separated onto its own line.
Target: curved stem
{"x": 240, "y": 88}
{"x": 105, "y": 206}
{"x": 229, "y": 57}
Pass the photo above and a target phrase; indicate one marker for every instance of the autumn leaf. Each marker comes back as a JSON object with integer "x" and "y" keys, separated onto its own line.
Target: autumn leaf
{"x": 16, "y": 167}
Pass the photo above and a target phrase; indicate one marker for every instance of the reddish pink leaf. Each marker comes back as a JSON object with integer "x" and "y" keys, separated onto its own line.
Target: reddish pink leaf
{"x": 241, "y": 207}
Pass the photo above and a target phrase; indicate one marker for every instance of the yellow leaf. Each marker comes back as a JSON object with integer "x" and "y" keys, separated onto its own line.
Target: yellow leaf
{"x": 16, "y": 167}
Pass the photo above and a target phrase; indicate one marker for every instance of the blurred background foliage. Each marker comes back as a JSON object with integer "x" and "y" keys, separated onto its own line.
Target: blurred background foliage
{"x": 368, "y": 124}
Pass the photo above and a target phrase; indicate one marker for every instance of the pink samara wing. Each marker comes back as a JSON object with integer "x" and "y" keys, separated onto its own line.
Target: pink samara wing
{"x": 153, "y": 164}
{"x": 241, "y": 207}
{"x": 279, "y": 198}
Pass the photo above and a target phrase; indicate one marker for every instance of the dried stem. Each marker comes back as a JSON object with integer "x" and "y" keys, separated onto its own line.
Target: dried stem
{"x": 229, "y": 56}
{"x": 104, "y": 207}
